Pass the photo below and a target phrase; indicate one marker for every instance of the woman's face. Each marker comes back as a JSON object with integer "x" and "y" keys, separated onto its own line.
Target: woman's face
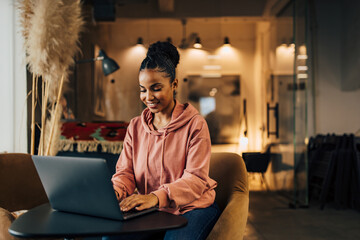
{"x": 156, "y": 91}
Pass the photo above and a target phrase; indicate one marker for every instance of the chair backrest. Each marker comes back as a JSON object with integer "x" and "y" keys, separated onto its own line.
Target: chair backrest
{"x": 20, "y": 185}
{"x": 229, "y": 170}
{"x": 256, "y": 161}
{"x": 232, "y": 195}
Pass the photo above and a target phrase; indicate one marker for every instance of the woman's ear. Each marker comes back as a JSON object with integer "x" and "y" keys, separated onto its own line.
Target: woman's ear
{"x": 174, "y": 84}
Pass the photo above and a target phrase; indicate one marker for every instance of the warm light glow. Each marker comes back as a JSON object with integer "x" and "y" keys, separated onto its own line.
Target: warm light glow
{"x": 243, "y": 145}
{"x": 284, "y": 62}
{"x": 302, "y": 57}
{"x": 229, "y": 58}
{"x": 133, "y": 54}
{"x": 139, "y": 49}
{"x": 195, "y": 54}
{"x": 211, "y": 75}
{"x": 286, "y": 49}
{"x": 226, "y": 49}
{"x": 192, "y": 60}
{"x": 213, "y": 57}
{"x": 227, "y": 53}
{"x": 244, "y": 141}
{"x": 302, "y": 68}
{"x": 302, "y": 76}
{"x": 197, "y": 45}
{"x": 302, "y": 50}
{"x": 212, "y": 67}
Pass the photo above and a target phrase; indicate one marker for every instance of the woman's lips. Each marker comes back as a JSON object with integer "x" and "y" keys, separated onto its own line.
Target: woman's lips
{"x": 152, "y": 105}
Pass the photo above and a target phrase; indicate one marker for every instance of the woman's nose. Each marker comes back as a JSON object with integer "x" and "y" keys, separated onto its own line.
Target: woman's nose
{"x": 149, "y": 95}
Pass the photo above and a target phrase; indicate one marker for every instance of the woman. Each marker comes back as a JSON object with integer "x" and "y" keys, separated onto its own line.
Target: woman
{"x": 166, "y": 152}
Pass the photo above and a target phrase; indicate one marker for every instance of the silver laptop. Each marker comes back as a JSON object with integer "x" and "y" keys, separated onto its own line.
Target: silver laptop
{"x": 81, "y": 185}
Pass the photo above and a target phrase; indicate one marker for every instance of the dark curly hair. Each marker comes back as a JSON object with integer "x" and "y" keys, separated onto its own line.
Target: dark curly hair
{"x": 162, "y": 56}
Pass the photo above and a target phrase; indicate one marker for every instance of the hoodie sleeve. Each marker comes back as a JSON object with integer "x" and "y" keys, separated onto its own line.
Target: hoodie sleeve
{"x": 195, "y": 181}
{"x": 123, "y": 180}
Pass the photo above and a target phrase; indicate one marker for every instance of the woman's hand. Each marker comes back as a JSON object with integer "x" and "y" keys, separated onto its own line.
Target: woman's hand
{"x": 139, "y": 202}
{"x": 117, "y": 196}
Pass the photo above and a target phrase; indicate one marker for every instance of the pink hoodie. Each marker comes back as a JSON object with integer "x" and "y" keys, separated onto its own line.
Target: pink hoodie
{"x": 172, "y": 162}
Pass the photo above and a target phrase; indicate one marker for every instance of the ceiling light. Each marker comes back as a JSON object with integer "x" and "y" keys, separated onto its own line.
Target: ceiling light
{"x": 140, "y": 41}
{"x": 197, "y": 43}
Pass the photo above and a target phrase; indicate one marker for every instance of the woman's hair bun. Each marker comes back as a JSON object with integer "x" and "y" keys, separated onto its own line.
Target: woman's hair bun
{"x": 164, "y": 49}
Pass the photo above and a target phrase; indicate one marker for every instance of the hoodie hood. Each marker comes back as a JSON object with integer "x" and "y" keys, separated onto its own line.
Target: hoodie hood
{"x": 181, "y": 115}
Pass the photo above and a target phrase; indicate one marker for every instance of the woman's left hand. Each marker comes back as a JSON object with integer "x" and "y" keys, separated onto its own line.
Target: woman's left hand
{"x": 139, "y": 202}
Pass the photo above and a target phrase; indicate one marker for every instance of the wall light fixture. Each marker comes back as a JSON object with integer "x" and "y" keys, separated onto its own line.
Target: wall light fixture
{"x": 140, "y": 41}
{"x": 108, "y": 64}
{"x": 197, "y": 43}
{"x": 226, "y": 41}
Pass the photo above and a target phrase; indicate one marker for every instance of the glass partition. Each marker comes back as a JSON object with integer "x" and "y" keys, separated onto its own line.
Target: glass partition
{"x": 300, "y": 89}
{"x": 287, "y": 98}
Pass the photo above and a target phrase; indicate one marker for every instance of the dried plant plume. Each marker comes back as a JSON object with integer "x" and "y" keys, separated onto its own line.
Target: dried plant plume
{"x": 51, "y": 30}
{"x": 26, "y": 8}
{"x": 51, "y": 38}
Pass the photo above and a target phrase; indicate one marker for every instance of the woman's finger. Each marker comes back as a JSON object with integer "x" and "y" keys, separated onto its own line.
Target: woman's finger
{"x": 130, "y": 202}
{"x": 140, "y": 202}
{"x": 148, "y": 201}
{"x": 142, "y": 206}
{"x": 125, "y": 201}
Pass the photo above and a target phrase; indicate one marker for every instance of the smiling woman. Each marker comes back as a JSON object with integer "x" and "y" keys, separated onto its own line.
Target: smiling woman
{"x": 156, "y": 92}
{"x": 166, "y": 152}
{"x": 158, "y": 83}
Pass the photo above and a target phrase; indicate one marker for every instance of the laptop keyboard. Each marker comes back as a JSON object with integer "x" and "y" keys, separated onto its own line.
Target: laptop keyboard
{"x": 134, "y": 212}
{"x": 130, "y": 212}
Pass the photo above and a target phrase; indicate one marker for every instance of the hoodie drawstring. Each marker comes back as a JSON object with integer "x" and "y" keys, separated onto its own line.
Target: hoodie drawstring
{"x": 147, "y": 161}
{"x": 162, "y": 157}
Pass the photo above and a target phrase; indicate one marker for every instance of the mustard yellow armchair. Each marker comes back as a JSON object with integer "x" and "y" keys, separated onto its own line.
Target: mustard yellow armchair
{"x": 232, "y": 195}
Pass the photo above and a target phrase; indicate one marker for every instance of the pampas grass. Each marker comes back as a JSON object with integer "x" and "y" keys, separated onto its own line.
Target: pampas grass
{"x": 26, "y": 8}
{"x": 53, "y": 40}
{"x": 51, "y": 31}
{"x": 52, "y": 136}
{"x": 33, "y": 103}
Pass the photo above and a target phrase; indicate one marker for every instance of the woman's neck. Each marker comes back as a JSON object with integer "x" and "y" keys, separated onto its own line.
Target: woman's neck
{"x": 162, "y": 119}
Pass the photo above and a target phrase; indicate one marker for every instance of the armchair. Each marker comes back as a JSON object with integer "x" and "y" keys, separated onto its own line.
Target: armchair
{"x": 21, "y": 188}
{"x": 232, "y": 195}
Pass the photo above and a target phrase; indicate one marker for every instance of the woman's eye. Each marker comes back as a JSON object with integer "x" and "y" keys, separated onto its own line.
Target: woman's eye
{"x": 142, "y": 90}
{"x": 157, "y": 89}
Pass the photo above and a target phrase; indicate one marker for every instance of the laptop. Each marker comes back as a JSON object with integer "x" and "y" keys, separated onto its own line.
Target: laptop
{"x": 81, "y": 185}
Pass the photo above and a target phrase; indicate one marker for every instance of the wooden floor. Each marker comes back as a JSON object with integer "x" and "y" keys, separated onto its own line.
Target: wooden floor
{"x": 271, "y": 218}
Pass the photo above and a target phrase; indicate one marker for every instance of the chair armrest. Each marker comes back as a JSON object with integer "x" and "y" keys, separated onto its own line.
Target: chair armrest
{"x": 6, "y": 218}
{"x": 232, "y": 221}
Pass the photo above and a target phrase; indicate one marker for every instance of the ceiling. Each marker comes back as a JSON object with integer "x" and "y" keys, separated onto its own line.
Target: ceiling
{"x": 109, "y": 10}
